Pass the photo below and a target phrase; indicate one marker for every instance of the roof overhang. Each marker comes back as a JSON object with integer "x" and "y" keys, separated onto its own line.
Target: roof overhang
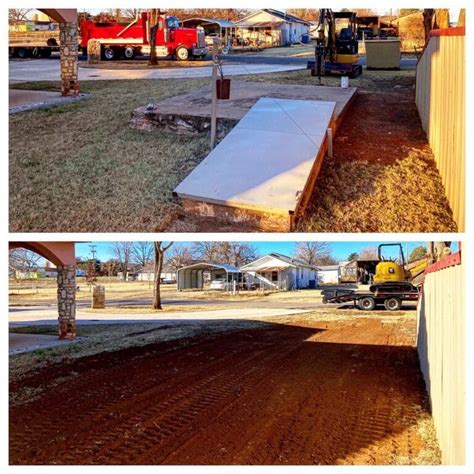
{"x": 207, "y": 266}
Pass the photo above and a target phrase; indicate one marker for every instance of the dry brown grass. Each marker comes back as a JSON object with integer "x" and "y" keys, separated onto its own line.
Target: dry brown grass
{"x": 406, "y": 196}
{"x": 89, "y": 172}
{"x": 147, "y": 309}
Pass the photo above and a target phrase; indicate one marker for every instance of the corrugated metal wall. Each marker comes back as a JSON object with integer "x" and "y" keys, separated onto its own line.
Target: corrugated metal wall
{"x": 440, "y": 98}
{"x": 441, "y": 352}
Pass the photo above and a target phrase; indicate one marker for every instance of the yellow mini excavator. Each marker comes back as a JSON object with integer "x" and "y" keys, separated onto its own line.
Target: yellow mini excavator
{"x": 393, "y": 274}
{"x": 393, "y": 283}
{"x": 336, "y": 52}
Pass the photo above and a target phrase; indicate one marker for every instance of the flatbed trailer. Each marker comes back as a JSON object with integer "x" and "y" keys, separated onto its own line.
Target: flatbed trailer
{"x": 367, "y": 300}
{"x": 33, "y": 44}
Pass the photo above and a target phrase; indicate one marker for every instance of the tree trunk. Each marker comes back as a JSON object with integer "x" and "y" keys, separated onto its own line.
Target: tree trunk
{"x": 428, "y": 14}
{"x": 154, "y": 20}
{"x": 157, "y": 279}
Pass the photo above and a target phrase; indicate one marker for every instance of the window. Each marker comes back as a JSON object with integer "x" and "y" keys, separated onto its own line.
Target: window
{"x": 274, "y": 276}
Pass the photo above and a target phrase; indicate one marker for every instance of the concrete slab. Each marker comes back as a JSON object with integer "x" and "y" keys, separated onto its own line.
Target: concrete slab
{"x": 189, "y": 114}
{"x": 265, "y": 162}
{"x": 17, "y": 97}
{"x": 49, "y": 70}
{"x": 22, "y": 100}
{"x": 19, "y": 343}
{"x": 46, "y": 317}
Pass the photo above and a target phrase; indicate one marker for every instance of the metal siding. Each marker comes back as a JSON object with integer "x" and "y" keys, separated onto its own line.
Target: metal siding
{"x": 440, "y": 98}
{"x": 440, "y": 345}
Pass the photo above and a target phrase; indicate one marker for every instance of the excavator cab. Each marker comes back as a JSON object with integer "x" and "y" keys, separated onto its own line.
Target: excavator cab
{"x": 336, "y": 52}
{"x": 389, "y": 269}
{"x": 346, "y": 43}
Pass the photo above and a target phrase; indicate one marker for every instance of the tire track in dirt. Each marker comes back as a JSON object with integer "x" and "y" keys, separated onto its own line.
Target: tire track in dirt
{"x": 49, "y": 416}
{"x": 321, "y": 393}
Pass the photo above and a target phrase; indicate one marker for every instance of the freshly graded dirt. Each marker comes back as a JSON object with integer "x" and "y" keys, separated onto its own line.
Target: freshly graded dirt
{"x": 340, "y": 392}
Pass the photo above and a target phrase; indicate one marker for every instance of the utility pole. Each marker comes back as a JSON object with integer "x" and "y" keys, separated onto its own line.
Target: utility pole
{"x": 93, "y": 251}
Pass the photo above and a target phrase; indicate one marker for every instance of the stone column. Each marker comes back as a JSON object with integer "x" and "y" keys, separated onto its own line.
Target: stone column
{"x": 67, "y": 301}
{"x": 68, "y": 50}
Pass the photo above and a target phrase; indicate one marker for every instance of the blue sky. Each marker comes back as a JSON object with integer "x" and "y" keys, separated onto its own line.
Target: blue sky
{"x": 340, "y": 250}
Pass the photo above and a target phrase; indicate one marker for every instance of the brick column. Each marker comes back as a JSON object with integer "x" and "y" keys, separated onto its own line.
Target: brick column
{"x": 68, "y": 50}
{"x": 67, "y": 301}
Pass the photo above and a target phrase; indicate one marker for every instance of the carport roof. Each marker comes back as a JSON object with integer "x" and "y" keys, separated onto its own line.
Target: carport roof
{"x": 217, "y": 21}
{"x": 211, "y": 266}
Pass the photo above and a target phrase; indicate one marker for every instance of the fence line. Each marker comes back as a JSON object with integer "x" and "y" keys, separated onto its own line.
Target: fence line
{"x": 440, "y": 345}
{"x": 440, "y": 98}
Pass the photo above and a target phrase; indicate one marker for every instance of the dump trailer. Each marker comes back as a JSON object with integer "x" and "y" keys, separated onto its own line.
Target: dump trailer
{"x": 32, "y": 44}
{"x": 390, "y": 296}
{"x": 118, "y": 40}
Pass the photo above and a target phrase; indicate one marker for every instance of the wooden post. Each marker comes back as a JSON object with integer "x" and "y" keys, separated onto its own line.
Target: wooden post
{"x": 329, "y": 135}
{"x": 215, "y": 62}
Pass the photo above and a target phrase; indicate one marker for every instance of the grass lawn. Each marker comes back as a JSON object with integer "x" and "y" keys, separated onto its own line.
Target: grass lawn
{"x": 80, "y": 168}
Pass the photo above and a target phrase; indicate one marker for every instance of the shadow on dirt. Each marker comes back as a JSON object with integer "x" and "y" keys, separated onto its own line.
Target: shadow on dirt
{"x": 275, "y": 394}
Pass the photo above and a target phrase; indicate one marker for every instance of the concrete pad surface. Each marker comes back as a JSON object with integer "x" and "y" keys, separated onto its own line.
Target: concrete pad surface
{"x": 23, "y": 100}
{"x": 265, "y": 161}
{"x": 19, "y": 343}
{"x": 50, "y": 316}
{"x": 244, "y": 95}
{"x": 48, "y": 70}
{"x": 18, "y": 97}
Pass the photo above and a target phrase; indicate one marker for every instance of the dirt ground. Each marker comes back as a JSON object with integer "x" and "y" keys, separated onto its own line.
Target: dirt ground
{"x": 344, "y": 391}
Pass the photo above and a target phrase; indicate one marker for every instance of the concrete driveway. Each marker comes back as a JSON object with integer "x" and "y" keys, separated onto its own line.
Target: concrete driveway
{"x": 46, "y": 315}
{"x": 48, "y": 70}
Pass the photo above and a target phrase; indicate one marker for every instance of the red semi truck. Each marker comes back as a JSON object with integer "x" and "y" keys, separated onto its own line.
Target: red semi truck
{"x": 127, "y": 41}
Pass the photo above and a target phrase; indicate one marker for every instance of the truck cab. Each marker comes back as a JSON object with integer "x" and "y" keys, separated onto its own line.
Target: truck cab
{"x": 119, "y": 40}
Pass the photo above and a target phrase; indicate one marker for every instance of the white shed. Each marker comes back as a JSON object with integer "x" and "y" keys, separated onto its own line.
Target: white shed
{"x": 277, "y": 271}
{"x": 328, "y": 275}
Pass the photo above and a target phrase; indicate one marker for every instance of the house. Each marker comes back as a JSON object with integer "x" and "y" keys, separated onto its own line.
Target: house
{"x": 328, "y": 274}
{"x": 277, "y": 271}
{"x": 147, "y": 273}
{"x": 269, "y": 27}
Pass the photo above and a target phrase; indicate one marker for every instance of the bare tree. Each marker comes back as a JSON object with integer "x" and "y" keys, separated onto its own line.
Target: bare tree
{"x": 23, "y": 260}
{"x": 368, "y": 253}
{"x": 130, "y": 13}
{"x": 122, "y": 252}
{"x": 434, "y": 19}
{"x": 110, "y": 267}
{"x": 154, "y": 19}
{"x": 18, "y": 15}
{"x": 204, "y": 251}
{"x": 314, "y": 253}
{"x": 230, "y": 14}
{"x": 142, "y": 253}
{"x": 160, "y": 250}
{"x": 231, "y": 253}
{"x": 179, "y": 256}
{"x": 308, "y": 14}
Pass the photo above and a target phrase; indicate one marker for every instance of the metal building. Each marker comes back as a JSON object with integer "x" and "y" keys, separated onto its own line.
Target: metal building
{"x": 218, "y": 276}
